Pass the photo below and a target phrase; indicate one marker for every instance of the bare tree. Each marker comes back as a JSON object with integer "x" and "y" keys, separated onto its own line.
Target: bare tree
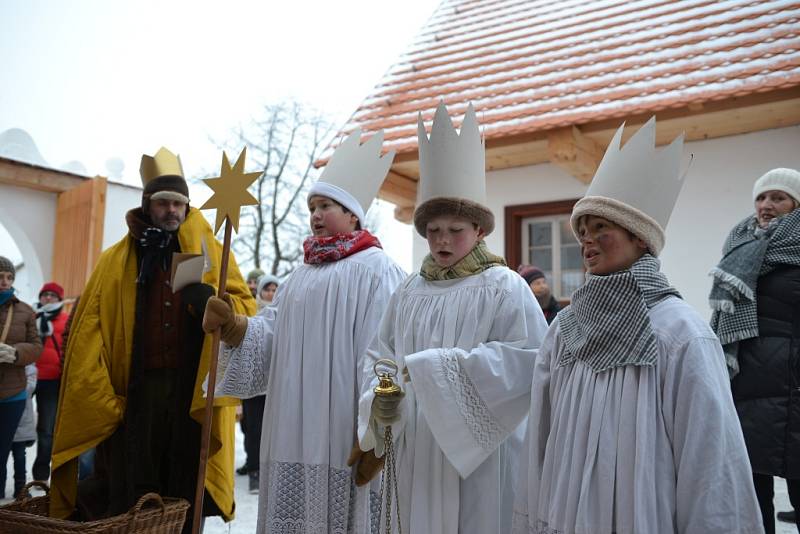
{"x": 284, "y": 142}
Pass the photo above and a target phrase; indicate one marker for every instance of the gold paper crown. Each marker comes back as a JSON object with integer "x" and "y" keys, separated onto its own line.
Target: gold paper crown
{"x": 164, "y": 163}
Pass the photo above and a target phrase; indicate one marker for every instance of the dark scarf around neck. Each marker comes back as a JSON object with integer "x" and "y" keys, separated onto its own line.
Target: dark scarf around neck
{"x": 44, "y": 318}
{"x": 155, "y": 246}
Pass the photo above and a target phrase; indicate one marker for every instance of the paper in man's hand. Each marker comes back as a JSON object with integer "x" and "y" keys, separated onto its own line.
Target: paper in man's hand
{"x": 189, "y": 268}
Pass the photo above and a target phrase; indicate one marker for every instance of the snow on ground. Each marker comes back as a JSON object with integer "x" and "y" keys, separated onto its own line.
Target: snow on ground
{"x": 247, "y": 504}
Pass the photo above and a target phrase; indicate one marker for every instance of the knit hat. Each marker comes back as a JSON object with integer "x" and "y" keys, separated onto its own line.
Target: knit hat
{"x": 452, "y": 172}
{"x": 635, "y": 186}
{"x": 786, "y": 180}
{"x": 354, "y": 174}
{"x": 265, "y": 280}
{"x": 255, "y": 274}
{"x": 7, "y": 266}
{"x": 55, "y": 288}
{"x": 162, "y": 178}
{"x": 530, "y": 273}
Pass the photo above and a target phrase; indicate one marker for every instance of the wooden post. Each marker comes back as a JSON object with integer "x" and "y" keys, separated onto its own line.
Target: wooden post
{"x": 230, "y": 194}
{"x": 208, "y": 412}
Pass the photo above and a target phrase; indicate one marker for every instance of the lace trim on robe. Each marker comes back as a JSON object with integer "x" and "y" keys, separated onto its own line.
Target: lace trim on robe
{"x": 243, "y": 370}
{"x": 310, "y": 499}
{"x": 480, "y": 421}
{"x": 374, "y": 512}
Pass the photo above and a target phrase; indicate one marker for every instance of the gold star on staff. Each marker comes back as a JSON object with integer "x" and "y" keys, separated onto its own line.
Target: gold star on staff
{"x": 230, "y": 191}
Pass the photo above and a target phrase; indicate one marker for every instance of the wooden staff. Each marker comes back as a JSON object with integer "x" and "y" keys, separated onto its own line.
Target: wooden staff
{"x": 230, "y": 194}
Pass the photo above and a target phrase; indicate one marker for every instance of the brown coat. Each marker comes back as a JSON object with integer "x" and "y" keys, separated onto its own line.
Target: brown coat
{"x": 24, "y": 337}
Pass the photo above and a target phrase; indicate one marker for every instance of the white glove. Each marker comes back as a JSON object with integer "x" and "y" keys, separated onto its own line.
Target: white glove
{"x": 8, "y": 354}
{"x": 386, "y": 408}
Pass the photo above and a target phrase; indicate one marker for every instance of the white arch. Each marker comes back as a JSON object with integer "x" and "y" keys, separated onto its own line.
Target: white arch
{"x": 29, "y": 217}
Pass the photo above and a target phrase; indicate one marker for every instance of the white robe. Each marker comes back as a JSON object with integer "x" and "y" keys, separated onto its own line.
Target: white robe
{"x": 469, "y": 346}
{"x": 637, "y": 450}
{"x": 305, "y": 352}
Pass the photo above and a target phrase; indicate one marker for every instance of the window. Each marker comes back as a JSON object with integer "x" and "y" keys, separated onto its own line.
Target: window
{"x": 540, "y": 234}
{"x": 549, "y": 244}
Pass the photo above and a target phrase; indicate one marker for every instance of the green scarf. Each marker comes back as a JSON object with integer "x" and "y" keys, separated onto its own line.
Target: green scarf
{"x": 478, "y": 260}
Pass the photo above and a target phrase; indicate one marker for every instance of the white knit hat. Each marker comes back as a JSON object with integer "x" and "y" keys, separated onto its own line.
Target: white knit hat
{"x": 635, "y": 186}
{"x": 354, "y": 173}
{"x": 786, "y": 180}
{"x": 266, "y": 279}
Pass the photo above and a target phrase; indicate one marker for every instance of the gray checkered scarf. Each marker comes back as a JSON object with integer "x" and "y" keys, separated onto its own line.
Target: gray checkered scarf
{"x": 607, "y": 324}
{"x": 748, "y": 253}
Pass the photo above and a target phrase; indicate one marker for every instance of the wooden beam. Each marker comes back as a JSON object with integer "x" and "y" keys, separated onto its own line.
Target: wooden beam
{"x": 733, "y": 116}
{"x": 574, "y": 152}
{"x": 526, "y": 150}
{"x": 401, "y": 191}
{"x": 29, "y": 176}
{"x": 708, "y": 120}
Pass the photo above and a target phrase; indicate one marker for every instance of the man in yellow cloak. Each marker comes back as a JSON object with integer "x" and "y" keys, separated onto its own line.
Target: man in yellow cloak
{"x": 135, "y": 362}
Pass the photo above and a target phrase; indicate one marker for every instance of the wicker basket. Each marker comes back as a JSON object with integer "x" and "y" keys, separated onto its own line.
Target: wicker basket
{"x": 29, "y": 515}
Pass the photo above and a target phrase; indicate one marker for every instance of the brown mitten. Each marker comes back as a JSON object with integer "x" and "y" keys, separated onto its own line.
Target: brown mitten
{"x": 368, "y": 464}
{"x": 219, "y": 314}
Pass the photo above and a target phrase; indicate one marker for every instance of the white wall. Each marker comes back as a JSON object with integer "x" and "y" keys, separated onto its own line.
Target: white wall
{"x": 717, "y": 194}
{"x": 29, "y": 218}
{"x": 119, "y": 199}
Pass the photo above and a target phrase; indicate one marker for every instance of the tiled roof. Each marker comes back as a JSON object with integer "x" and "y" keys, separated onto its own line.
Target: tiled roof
{"x": 534, "y": 65}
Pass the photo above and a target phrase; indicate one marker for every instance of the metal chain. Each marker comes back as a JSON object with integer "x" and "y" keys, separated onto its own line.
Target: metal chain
{"x": 389, "y": 483}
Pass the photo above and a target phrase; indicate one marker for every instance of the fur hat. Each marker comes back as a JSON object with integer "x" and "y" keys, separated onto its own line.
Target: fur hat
{"x": 162, "y": 178}
{"x": 7, "y": 266}
{"x": 456, "y": 207}
{"x": 54, "y": 288}
{"x": 452, "y": 169}
{"x": 635, "y": 186}
{"x": 786, "y": 180}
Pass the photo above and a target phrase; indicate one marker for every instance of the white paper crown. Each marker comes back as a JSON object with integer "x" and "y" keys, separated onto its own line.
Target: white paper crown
{"x": 636, "y": 185}
{"x": 354, "y": 173}
{"x": 451, "y": 164}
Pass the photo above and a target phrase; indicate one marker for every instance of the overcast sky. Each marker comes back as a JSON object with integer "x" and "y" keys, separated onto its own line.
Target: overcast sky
{"x": 92, "y": 80}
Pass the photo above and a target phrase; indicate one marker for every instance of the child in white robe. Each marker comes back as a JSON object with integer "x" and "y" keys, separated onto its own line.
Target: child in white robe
{"x": 632, "y": 429}
{"x": 458, "y": 330}
{"x": 305, "y": 351}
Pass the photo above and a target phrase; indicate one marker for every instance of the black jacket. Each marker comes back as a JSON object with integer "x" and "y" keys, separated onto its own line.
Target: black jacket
{"x": 767, "y": 389}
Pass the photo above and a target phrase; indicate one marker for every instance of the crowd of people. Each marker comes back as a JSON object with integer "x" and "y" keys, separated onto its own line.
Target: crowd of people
{"x": 623, "y": 412}
{"x": 32, "y": 341}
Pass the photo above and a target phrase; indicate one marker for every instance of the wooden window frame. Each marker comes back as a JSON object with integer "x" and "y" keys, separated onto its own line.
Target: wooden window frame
{"x": 514, "y": 215}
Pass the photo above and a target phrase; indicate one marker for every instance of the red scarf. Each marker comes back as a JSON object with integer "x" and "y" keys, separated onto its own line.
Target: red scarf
{"x": 334, "y": 248}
